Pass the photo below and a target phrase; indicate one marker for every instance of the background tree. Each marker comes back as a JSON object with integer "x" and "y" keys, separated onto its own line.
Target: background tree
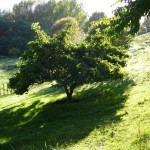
{"x": 15, "y": 25}
{"x": 60, "y": 24}
{"x": 4, "y": 47}
{"x": 72, "y": 8}
{"x": 14, "y": 32}
{"x": 94, "y": 17}
{"x": 23, "y": 10}
{"x": 130, "y": 14}
{"x": 5, "y": 36}
{"x": 54, "y": 11}
{"x": 44, "y": 14}
{"x": 69, "y": 64}
{"x": 21, "y": 34}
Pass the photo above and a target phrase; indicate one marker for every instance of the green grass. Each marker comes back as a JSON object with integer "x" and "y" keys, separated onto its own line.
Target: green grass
{"x": 7, "y": 66}
{"x": 113, "y": 115}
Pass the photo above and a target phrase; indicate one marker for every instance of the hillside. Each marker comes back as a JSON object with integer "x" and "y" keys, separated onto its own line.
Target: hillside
{"x": 112, "y": 115}
{"x": 7, "y": 66}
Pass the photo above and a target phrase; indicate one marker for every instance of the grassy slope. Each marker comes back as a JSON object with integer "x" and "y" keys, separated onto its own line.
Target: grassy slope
{"x": 113, "y": 115}
{"x": 6, "y": 68}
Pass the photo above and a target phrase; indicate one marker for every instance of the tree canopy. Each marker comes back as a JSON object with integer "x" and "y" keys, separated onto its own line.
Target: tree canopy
{"x": 69, "y": 64}
{"x": 103, "y": 27}
{"x": 130, "y": 14}
{"x": 62, "y": 23}
{"x": 94, "y": 17}
{"x": 146, "y": 24}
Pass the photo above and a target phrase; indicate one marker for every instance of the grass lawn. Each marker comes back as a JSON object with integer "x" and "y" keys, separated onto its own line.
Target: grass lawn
{"x": 7, "y": 66}
{"x": 113, "y": 115}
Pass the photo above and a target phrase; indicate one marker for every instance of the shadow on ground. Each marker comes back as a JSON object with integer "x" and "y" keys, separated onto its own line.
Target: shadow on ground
{"x": 63, "y": 124}
{"x": 46, "y": 91}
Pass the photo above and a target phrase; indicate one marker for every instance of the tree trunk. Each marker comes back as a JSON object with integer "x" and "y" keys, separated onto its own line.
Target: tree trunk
{"x": 69, "y": 97}
{"x": 69, "y": 92}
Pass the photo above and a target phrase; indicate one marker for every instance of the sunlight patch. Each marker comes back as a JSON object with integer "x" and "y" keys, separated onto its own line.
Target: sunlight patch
{"x": 4, "y": 140}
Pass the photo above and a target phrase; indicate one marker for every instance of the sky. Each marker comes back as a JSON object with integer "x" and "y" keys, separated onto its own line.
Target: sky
{"x": 99, "y": 6}
{"x": 90, "y": 6}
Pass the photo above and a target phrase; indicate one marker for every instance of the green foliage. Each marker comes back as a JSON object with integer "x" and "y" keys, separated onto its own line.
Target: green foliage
{"x": 18, "y": 32}
{"x": 54, "y": 11}
{"x": 72, "y": 8}
{"x": 104, "y": 27}
{"x": 62, "y": 23}
{"x": 130, "y": 14}
{"x": 46, "y": 17}
{"x": 69, "y": 64}
{"x": 15, "y": 25}
{"x": 23, "y": 10}
{"x": 94, "y": 17}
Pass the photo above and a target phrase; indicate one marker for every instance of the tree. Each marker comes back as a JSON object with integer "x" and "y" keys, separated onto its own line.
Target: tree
{"x": 60, "y": 24}
{"x": 44, "y": 14}
{"x": 94, "y": 17}
{"x": 14, "y": 31}
{"x": 55, "y": 10}
{"x": 4, "y": 34}
{"x": 4, "y": 47}
{"x": 69, "y": 64}
{"x": 23, "y": 10}
{"x": 21, "y": 34}
{"x": 130, "y": 14}
{"x": 72, "y": 8}
{"x": 15, "y": 25}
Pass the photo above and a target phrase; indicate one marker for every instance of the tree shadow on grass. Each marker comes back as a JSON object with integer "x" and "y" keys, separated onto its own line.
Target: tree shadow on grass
{"x": 50, "y": 90}
{"x": 64, "y": 124}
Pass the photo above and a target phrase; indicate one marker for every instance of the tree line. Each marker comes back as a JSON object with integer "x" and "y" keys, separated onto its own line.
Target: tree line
{"x": 15, "y": 25}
